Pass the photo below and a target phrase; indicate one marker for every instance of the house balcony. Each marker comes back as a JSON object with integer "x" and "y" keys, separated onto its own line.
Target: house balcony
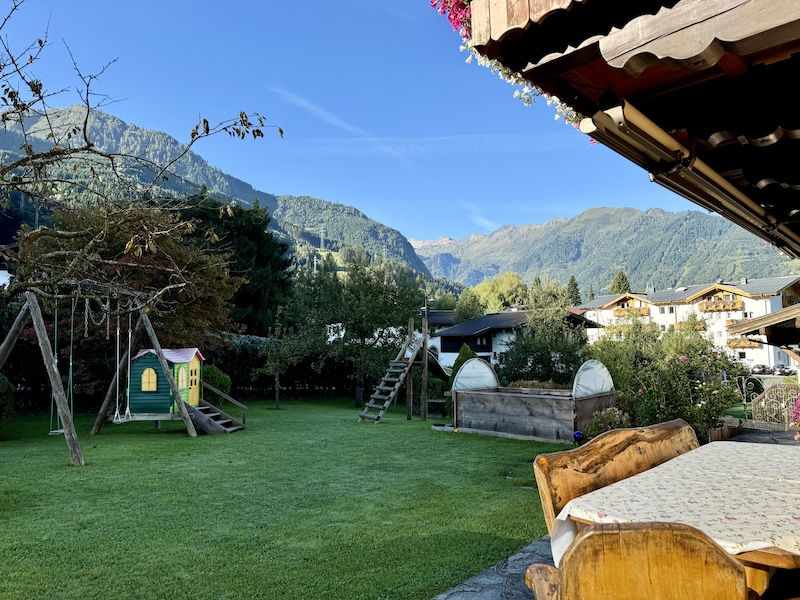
{"x": 615, "y": 329}
{"x": 699, "y": 325}
{"x": 720, "y": 305}
{"x": 743, "y": 343}
{"x": 631, "y": 312}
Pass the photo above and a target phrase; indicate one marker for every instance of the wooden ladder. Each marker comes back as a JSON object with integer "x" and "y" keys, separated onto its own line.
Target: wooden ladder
{"x": 386, "y": 391}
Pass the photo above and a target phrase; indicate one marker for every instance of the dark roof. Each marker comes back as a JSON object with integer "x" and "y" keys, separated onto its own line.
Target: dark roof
{"x": 501, "y": 321}
{"x": 441, "y": 318}
{"x": 490, "y": 322}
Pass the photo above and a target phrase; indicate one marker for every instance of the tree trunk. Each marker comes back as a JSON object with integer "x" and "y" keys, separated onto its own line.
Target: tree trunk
{"x": 359, "y": 390}
{"x": 277, "y": 392}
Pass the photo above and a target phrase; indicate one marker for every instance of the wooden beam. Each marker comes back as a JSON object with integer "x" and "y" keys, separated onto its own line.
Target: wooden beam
{"x": 13, "y": 334}
{"x": 103, "y": 413}
{"x": 423, "y": 392}
{"x": 170, "y": 379}
{"x": 45, "y": 347}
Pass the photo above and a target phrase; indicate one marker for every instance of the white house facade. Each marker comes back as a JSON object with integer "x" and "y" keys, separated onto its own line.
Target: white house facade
{"x": 715, "y": 305}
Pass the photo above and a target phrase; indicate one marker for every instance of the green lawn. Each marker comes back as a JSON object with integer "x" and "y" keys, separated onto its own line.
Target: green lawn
{"x": 305, "y": 503}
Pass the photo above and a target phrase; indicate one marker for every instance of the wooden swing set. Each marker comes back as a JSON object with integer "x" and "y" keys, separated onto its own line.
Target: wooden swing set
{"x": 32, "y": 310}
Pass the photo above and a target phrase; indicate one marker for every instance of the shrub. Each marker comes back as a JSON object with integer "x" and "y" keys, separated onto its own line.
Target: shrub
{"x": 6, "y": 398}
{"x": 608, "y": 419}
{"x": 217, "y": 378}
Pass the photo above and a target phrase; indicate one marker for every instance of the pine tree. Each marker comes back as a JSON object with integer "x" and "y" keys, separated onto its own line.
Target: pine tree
{"x": 573, "y": 291}
{"x": 591, "y": 292}
{"x": 620, "y": 284}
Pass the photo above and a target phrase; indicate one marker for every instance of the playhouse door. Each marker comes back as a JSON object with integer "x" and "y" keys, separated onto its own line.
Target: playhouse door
{"x": 194, "y": 382}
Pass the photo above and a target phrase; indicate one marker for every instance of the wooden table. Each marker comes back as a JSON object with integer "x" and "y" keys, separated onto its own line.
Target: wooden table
{"x": 745, "y": 496}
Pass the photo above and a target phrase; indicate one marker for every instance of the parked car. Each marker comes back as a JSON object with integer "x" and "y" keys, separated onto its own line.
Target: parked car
{"x": 760, "y": 370}
{"x": 783, "y": 370}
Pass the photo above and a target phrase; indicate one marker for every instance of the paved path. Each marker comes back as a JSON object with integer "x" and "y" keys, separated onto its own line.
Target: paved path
{"x": 506, "y": 579}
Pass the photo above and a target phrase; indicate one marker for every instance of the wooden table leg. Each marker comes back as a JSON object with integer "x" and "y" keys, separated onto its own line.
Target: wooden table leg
{"x": 758, "y": 578}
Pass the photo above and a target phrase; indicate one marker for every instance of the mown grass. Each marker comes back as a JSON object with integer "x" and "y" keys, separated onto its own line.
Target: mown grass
{"x": 305, "y": 503}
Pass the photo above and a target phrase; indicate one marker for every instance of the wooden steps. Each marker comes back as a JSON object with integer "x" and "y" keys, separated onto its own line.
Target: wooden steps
{"x": 212, "y": 420}
{"x": 386, "y": 391}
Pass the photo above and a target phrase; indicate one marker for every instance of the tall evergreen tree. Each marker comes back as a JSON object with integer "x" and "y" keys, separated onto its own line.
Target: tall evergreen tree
{"x": 591, "y": 292}
{"x": 620, "y": 284}
{"x": 573, "y": 291}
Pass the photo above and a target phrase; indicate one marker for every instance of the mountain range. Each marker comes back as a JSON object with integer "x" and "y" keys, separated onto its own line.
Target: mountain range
{"x": 655, "y": 248}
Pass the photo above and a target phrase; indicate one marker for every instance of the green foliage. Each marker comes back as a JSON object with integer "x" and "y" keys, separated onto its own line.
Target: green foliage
{"x": 464, "y": 354}
{"x": 446, "y": 302}
{"x": 591, "y": 293}
{"x": 254, "y": 255}
{"x": 680, "y": 375}
{"x": 6, "y": 398}
{"x": 693, "y": 247}
{"x": 620, "y": 284}
{"x": 573, "y": 291}
{"x": 214, "y": 376}
{"x": 501, "y": 292}
{"x": 549, "y": 348}
{"x": 608, "y": 419}
{"x": 468, "y": 306}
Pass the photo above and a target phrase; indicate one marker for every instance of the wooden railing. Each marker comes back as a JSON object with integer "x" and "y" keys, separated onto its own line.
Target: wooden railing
{"x": 743, "y": 343}
{"x": 720, "y": 305}
{"x": 222, "y": 394}
{"x": 631, "y": 311}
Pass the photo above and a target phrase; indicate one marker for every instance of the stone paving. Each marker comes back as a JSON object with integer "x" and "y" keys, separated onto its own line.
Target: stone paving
{"x": 506, "y": 579}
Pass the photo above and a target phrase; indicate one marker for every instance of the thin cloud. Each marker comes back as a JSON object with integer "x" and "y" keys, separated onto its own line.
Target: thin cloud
{"x": 476, "y": 217}
{"x": 375, "y": 144}
{"x": 438, "y": 146}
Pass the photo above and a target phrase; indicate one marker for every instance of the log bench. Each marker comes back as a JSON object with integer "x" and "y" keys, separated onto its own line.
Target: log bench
{"x": 605, "y": 459}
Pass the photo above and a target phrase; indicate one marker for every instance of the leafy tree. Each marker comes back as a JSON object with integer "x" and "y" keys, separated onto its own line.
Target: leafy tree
{"x": 550, "y": 346}
{"x": 468, "y": 306}
{"x": 574, "y": 292}
{"x": 446, "y": 302}
{"x": 620, "y": 284}
{"x": 377, "y": 302}
{"x": 679, "y": 375}
{"x": 591, "y": 292}
{"x": 501, "y": 292}
{"x": 134, "y": 237}
{"x": 255, "y": 256}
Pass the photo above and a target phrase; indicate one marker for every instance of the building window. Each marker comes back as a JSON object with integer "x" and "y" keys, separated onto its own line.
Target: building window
{"x": 149, "y": 380}
{"x": 672, "y": 310}
{"x": 742, "y": 355}
{"x": 662, "y": 327}
{"x": 661, "y": 310}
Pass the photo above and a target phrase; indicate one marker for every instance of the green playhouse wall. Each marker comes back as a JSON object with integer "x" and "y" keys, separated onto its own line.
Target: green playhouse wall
{"x": 159, "y": 401}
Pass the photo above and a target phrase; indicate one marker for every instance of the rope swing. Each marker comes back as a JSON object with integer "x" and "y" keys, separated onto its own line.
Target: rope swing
{"x": 122, "y": 418}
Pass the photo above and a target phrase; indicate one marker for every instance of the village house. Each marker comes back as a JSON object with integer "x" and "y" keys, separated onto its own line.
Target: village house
{"x": 715, "y": 305}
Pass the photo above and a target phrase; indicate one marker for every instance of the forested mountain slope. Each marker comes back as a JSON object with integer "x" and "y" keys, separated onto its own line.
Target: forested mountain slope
{"x": 655, "y": 248}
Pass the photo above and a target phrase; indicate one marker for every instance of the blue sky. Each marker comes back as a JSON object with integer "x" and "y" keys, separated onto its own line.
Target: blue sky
{"x": 379, "y": 108}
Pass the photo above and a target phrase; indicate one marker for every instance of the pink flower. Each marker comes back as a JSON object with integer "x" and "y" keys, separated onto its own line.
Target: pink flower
{"x": 683, "y": 358}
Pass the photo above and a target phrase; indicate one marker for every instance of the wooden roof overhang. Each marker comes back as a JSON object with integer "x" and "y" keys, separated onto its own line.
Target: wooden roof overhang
{"x": 781, "y": 328}
{"x": 699, "y": 93}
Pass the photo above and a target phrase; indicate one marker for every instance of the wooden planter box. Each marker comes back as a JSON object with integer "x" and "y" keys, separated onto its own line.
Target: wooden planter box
{"x": 725, "y": 432}
{"x": 551, "y": 415}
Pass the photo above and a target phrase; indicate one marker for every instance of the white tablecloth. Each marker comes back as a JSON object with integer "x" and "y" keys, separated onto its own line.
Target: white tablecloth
{"x": 744, "y": 496}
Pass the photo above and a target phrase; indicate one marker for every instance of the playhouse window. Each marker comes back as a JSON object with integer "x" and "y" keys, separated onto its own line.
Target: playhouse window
{"x": 149, "y": 380}
{"x": 182, "y": 378}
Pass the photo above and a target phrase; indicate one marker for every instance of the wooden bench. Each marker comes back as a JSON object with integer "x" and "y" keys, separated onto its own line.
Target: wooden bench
{"x": 632, "y": 561}
{"x": 611, "y": 456}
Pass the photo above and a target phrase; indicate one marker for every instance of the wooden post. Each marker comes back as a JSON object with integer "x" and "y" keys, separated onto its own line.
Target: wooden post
{"x": 70, "y": 435}
{"x": 101, "y": 416}
{"x": 409, "y": 378}
{"x": 170, "y": 379}
{"x": 13, "y": 333}
{"x": 423, "y": 393}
